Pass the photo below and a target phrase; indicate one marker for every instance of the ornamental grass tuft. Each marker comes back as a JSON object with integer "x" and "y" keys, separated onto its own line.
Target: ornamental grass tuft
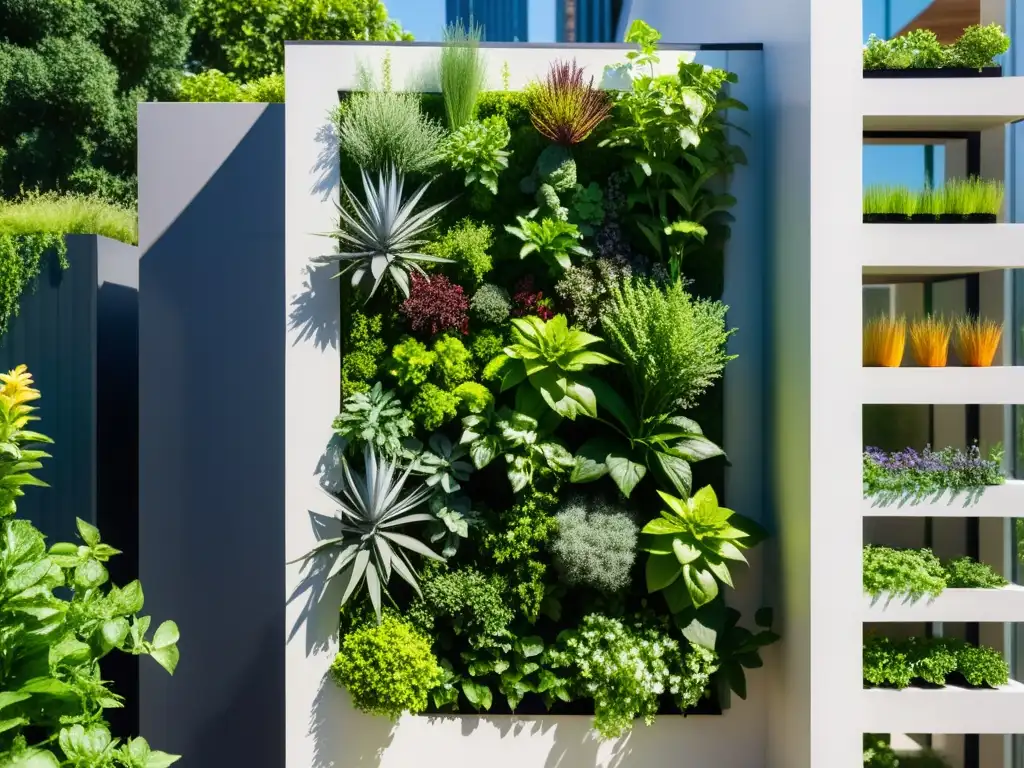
{"x": 565, "y": 108}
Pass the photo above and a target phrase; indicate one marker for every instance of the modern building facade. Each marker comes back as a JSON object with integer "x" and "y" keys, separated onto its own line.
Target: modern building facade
{"x": 587, "y": 21}
{"x": 504, "y": 21}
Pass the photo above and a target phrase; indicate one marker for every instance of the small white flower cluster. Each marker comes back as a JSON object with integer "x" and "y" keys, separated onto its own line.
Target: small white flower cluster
{"x": 625, "y": 669}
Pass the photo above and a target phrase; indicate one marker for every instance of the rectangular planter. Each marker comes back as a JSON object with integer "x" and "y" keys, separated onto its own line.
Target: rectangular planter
{"x": 1006, "y": 500}
{"x": 953, "y": 605}
{"x": 974, "y": 218}
{"x": 932, "y": 73}
{"x": 940, "y": 104}
{"x": 998, "y": 385}
{"x": 944, "y": 710}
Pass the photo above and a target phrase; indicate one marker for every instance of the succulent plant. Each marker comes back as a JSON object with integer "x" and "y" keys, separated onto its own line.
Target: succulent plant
{"x": 444, "y": 464}
{"x": 382, "y": 234}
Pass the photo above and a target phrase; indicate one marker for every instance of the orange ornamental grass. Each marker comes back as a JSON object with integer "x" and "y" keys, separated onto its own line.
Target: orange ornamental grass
{"x": 929, "y": 340}
{"x": 565, "y": 108}
{"x": 884, "y": 340}
{"x": 977, "y": 341}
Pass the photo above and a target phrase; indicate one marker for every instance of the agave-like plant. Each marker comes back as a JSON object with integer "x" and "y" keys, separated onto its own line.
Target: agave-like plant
{"x": 370, "y": 547}
{"x": 380, "y": 237}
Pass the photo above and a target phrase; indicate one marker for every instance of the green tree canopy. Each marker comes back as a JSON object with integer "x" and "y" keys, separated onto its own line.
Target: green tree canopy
{"x": 71, "y": 74}
{"x": 245, "y": 38}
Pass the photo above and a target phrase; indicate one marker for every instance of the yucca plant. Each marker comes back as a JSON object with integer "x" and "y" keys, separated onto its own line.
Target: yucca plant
{"x": 977, "y": 341}
{"x": 462, "y": 71}
{"x": 382, "y": 233}
{"x": 929, "y": 340}
{"x": 884, "y": 340}
{"x": 565, "y": 108}
{"x": 371, "y": 547}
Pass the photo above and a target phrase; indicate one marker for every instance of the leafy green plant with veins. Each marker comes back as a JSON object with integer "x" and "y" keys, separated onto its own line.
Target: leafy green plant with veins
{"x": 382, "y": 234}
{"x": 442, "y": 464}
{"x": 552, "y": 358}
{"x": 478, "y": 149}
{"x": 553, "y": 240}
{"x": 691, "y": 545}
{"x": 59, "y": 618}
{"x": 375, "y": 418}
{"x": 371, "y": 545}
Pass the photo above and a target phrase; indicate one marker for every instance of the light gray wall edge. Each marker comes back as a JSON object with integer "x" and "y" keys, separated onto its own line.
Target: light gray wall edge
{"x": 211, "y": 388}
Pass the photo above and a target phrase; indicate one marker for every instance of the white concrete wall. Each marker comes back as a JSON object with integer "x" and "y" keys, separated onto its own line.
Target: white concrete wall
{"x": 322, "y": 729}
{"x": 812, "y": 76}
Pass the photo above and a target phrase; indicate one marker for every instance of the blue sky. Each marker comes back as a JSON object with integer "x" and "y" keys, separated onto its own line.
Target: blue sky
{"x": 425, "y": 18}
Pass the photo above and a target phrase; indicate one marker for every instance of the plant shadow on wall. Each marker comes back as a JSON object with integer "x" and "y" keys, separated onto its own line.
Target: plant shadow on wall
{"x": 512, "y": 534}
{"x": 313, "y": 314}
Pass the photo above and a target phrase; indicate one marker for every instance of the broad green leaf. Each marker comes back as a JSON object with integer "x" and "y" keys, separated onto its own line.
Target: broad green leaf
{"x": 625, "y": 472}
{"x": 478, "y": 694}
{"x": 721, "y": 570}
{"x": 696, "y": 448}
{"x": 701, "y": 634}
{"x": 166, "y": 635}
{"x": 737, "y": 679}
{"x": 591, "y": 458}
{"x": 661, "y": 571}
{"x": 90, "y": 533}
{"x": 660, "y": 525}
{"x": 166, "y": 657}
{"x": 730, "y": 551}
{"x": 685, "y": 552}
{"x": 90, "y": 574}
{"x": 14, "y": 722}
{"x": 677, "y": 597}
{"x": 609, "y": 399}
{"x": 9, "y": 698}
{"x": 531, "y": 646}
{"x": 701, "y": 584}
{"x": 675, "y": 470}
{"x": 33, "y": 758}
{"x": 484, "y": 450}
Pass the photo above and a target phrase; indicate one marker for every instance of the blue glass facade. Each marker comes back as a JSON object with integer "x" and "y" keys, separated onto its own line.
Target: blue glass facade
{"x": 504, "y": 21}
{"x": 587, "y": 21}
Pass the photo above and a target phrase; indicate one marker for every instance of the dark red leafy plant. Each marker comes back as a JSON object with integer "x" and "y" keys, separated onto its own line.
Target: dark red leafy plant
{"x": 530, "y": 302}
{"x": 436, "y": 304}
{"x": 565, "y": 108}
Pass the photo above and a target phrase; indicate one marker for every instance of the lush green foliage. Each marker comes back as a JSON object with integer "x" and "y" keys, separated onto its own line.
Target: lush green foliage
{"x": 363, "y": 351}
{"x": 378, "y": 129}
{"x": 214, "y": 85}
{"x": 965, "y": 573}
{"x": 382, "y": 233}
{"x": 245, "y": 38}
{"x": 467, "y": 245}
{"x": 934, "y": 660}
{"x": 374, "y": 418}
{"x": 917, "y": 573}
{"x": 59, "y": 618}
{"x": 71, "y": 74}
{"x": 495, "y": 356}
{"x": 478, "y": 148}
{"x": 387, "y": 668}
{"x": 977, "y": 48}
{"x": 462, "y": 72}
{"x": 908, "y": 473}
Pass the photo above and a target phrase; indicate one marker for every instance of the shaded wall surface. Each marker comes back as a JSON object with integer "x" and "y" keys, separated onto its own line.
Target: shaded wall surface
{"x": 211, "y": 329}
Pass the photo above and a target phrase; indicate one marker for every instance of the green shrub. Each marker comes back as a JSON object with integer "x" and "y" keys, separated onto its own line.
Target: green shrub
{"x": 486, "y": 344}
{"x": 215, "y": 86}
{"x": 388, "y": 669}
{"x": 411, "y": 362}
{"x": 982, "y": 666}
{"x": 897, "y": 663}
{"x": 467, "y": 245}
{"x": 377, "y": 129}
{"x": 454, "y": 362}
{"x": 474, "y": 397}
{"x": 913, "y": 573}
{"x": 965, "y": 573}
{"x": 491, "y": 305}
{"x": 595, "y": 544}
{"x": 471, "y": 603}
{"x": 923, "y": 47}
{"x": 979, "y": 46}
{"x": 432, "y": 407}
{"x": 362, "y": 353}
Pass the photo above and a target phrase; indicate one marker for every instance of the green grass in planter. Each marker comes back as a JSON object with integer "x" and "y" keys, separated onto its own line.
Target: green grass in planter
{"x": 67, "y": 215}
{"x": 462, "y": 72}
{"x": 957, "y": 196}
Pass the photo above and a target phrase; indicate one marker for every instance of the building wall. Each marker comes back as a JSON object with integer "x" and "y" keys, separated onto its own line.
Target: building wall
{"x": 212, "y": 322}
{"x": 586, "y": 21}
{"x": 503, "y": 20}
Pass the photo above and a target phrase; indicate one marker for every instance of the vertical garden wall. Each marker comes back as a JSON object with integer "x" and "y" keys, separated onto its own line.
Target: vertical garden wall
{"x": 532, "y": 391}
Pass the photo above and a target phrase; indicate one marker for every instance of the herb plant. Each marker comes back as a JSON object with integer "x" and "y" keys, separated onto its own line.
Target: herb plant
{"x": 478, "y": 149}
{"x": 382, "y": 129}
{"x": 965, "y": 573}
{"x": 565, "y": 108}
{"x": 374, "y": 418}
{"x": 411, "y": 362}
{"x": 899, "y": 663}
{"x": 553, "y": 240}
{"x": 910, "y": 473}
{"x": 910, "y": 573}
{"x": 372, "y": 545}
{"x": 491, "y": 305}
{"x": 979, "y": 46}
{"x": 467, "y": 246}
{"x": 596, "y": 543}
{"x": 435, "y": 304}
{"x": 433, "y": 406}
{"x": 382, "y": 234}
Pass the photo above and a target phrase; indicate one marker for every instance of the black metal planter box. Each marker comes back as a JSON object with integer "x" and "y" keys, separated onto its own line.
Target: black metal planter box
{"x": 926, "y": 218}
{"x": 940, "y": 72}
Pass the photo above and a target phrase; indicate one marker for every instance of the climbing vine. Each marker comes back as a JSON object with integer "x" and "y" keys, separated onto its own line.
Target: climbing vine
{"x": 21, "y": 258}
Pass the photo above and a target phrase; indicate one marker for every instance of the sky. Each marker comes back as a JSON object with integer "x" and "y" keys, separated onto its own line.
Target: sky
{"x": 425, "y": 18}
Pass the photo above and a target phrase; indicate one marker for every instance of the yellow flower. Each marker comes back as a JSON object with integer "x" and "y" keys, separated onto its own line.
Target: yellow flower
{"x": 17, "y": 386}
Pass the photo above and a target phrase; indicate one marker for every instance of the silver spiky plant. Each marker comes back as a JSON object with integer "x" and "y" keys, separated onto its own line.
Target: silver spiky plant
{"x": 380, "y": 237}
{"x": 370, "y": 547}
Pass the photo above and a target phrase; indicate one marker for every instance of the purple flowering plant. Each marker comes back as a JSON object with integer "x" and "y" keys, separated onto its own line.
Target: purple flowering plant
{"x": 920, "y": 473}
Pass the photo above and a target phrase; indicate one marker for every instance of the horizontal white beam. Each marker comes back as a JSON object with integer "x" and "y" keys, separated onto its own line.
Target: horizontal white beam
{"x": 996, "y": 605}
{"x": 1005, "y": 500}
{"x": 941, "y": 104}
{"x": 944, "y": 710}
{"x": 953, "y": 385}
{"x": 903, "y": 251}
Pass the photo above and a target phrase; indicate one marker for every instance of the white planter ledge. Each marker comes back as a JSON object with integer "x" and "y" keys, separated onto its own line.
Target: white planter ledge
{"x": 1006, "y": 500}
{"x": 995, "y": 605}
{"x": 944, "y": 710}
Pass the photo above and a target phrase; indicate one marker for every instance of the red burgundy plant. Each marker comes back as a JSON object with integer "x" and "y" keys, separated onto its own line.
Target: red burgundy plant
{"x": 436, "y": 304}
{"x": 565, "y": 108}
{"x": 530, "y": 302}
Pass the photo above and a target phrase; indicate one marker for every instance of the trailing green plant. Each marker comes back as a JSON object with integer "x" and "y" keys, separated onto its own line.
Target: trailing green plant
{"x": 363, "y": 351}
{"x": 626, "y": 668}
{"x": 523, "y": 439}
{"x": 965, "y": 573}
{"x": 411, "y": 362}
{"x": 467, "y": 246}
{"x": 382, "y": 233}
{"x": 552, "y": 358}
{"x": 59, "y": 619}
{"x": 898, "y": 663}
{"x": 691, "y": 545}
{"x": 382, "y": 129}
{"x": 553, "y": 240}
{"x": 672, "y": 130}
{"x": 387, "y": 668}
{"x": 374, "y": 418}
{"x": 491, "y": 305}
{"x": 462, "y": 72}
{"x": 432, "y": 406}
{"x": 478, "y": 149}
{"x": 595, "y": 545}
{"x": 372, "y": 513}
